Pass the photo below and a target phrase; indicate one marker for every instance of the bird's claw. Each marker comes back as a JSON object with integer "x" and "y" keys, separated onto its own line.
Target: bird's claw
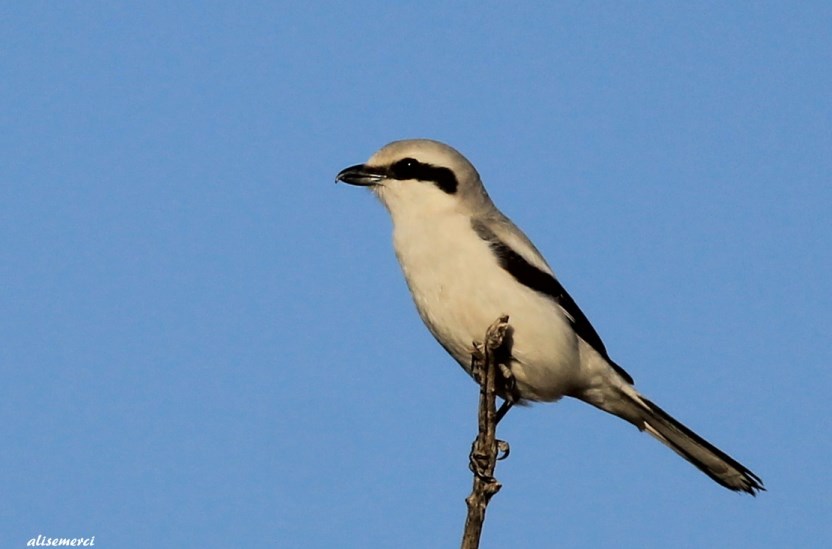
{"x": 503, "y": 450}
{"x": 478, "y": 464}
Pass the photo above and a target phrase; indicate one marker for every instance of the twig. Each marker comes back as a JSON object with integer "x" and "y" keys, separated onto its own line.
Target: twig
{"x": 486, "y": 449}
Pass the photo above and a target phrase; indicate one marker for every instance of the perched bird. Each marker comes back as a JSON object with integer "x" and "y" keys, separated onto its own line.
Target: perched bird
{"x": 466, "y": 264}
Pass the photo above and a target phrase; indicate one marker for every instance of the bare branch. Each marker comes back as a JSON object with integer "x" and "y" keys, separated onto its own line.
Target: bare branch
{"x": 486, "y": 450}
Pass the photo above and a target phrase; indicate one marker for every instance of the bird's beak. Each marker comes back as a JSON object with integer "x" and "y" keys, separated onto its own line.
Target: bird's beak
{"x": 361, "y": 174}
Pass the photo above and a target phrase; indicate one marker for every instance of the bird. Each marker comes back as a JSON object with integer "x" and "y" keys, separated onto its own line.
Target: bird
{"x": 466, "y": 264}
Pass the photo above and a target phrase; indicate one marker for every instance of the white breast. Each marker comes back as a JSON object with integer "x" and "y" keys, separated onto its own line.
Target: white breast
{"x": 459, "y": 289}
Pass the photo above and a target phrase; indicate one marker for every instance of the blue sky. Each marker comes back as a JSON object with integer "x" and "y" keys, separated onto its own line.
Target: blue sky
{"x": 204, "y": 342}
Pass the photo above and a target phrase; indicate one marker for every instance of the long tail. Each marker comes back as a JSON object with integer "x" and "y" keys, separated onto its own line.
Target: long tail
{"x": 705, "y": 456}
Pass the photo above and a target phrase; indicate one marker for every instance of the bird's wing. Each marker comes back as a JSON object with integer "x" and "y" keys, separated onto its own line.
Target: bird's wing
{"x": 518, "y": 256}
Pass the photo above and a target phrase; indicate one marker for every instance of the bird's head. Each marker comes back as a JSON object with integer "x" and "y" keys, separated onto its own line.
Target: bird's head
{"x": 419, "y": 176}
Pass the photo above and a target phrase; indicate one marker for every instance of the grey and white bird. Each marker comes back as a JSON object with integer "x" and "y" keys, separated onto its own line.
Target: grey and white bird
{"x": 466, "y": 264}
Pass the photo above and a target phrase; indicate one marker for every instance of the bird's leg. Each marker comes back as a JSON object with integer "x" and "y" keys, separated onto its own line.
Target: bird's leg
{"x": 511, "y": 396}
{"x": 503, "y": 410}
{"x": 508, "y": 387}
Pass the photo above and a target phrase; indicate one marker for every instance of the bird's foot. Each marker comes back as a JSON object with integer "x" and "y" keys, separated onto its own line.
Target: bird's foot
{"x": 503, "y": 450}
{"x": 478, "y": 463}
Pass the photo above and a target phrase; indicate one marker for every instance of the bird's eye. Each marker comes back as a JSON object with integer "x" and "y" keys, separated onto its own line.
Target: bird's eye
{"x": 406, "y": 168}
{"x": 411, "y": 169}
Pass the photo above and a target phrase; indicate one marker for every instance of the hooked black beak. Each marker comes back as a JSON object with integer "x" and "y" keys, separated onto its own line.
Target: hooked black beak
{"x": 361, "y": 174}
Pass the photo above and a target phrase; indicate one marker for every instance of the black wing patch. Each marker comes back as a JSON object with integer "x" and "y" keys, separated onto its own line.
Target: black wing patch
{"x": 540, "y": 281}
